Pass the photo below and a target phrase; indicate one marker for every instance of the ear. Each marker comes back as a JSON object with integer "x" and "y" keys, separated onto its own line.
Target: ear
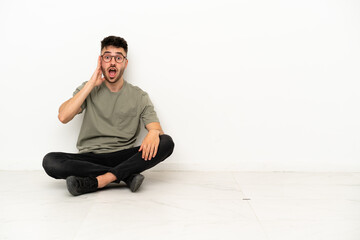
{"x": 126, "y": 63}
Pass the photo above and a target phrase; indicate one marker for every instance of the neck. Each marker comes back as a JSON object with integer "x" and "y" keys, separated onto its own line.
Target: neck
{"x": 116, "y": 86}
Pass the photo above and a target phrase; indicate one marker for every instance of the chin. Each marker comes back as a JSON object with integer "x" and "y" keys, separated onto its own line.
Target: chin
{"x": 112, "y": 80}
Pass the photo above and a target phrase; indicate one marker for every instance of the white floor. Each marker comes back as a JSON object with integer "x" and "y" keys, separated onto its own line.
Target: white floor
{"x": 185, "y": 205}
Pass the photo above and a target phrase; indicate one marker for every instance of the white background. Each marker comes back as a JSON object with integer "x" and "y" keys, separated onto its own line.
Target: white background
{"x": 239, "y": 85}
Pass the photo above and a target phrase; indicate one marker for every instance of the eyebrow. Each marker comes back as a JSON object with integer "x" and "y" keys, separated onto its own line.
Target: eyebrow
{"x": 116, "y": 52}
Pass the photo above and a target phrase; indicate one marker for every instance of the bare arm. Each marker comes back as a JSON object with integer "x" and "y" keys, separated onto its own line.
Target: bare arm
{"x": 71, "y": 107}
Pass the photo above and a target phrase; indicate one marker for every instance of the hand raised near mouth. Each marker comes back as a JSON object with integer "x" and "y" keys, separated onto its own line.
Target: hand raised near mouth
{"x": 96, "y": 77}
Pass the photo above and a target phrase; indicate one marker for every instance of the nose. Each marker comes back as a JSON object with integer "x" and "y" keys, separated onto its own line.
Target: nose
{"x": 113, "y": 60}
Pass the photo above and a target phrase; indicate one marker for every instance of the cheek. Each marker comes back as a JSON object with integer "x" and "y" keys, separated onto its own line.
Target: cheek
{"x": 103, "y": 68}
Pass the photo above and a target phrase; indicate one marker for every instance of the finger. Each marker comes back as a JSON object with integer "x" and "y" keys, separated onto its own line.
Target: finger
{"x": 155, "y": 152}
{"x": 98, "y": 72}
{"x": 146, "y": 154}
{"x": 99, "y": 66}
{"x": 151, "y": 153}
{"x": 99, "y": 62}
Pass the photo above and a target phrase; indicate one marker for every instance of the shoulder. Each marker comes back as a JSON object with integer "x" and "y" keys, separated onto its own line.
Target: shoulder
{"x": 135, "y": 89}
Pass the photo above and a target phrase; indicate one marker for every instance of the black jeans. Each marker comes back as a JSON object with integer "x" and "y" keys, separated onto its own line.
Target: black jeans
{"x": 122, "y": 163}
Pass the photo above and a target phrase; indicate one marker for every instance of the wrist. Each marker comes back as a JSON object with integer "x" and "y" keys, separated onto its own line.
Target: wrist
{"x": 91, "y": 83}
{"x": 155, "y": 131}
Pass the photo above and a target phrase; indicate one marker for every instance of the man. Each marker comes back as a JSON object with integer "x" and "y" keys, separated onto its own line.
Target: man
{"x": 110, "y": 128}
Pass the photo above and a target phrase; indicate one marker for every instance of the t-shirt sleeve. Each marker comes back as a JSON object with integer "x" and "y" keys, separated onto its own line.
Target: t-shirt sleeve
{"x": 83, "y": 106}
{"x": 148, "y": 114}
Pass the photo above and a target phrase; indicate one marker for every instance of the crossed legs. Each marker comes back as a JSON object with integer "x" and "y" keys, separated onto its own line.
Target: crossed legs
{"x": 106, "y": 167}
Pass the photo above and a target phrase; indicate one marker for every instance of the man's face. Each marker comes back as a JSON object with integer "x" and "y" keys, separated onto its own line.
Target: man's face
{"x": 113, "y": 70}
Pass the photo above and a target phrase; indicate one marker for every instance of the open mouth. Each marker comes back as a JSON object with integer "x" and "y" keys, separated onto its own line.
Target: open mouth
{"x": 112, "y": 72}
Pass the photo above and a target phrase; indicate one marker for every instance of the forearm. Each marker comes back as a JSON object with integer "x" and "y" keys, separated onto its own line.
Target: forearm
{"x": 70, "y": 108}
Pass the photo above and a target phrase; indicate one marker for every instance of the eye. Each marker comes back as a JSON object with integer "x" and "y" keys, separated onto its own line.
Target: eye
{"x": 107, "y": 57}
{"x": 119, "y": 58}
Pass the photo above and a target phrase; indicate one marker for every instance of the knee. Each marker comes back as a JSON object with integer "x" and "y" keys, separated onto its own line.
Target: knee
{"x": 167, "y": 143}
{"x": 50, "y": 164}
